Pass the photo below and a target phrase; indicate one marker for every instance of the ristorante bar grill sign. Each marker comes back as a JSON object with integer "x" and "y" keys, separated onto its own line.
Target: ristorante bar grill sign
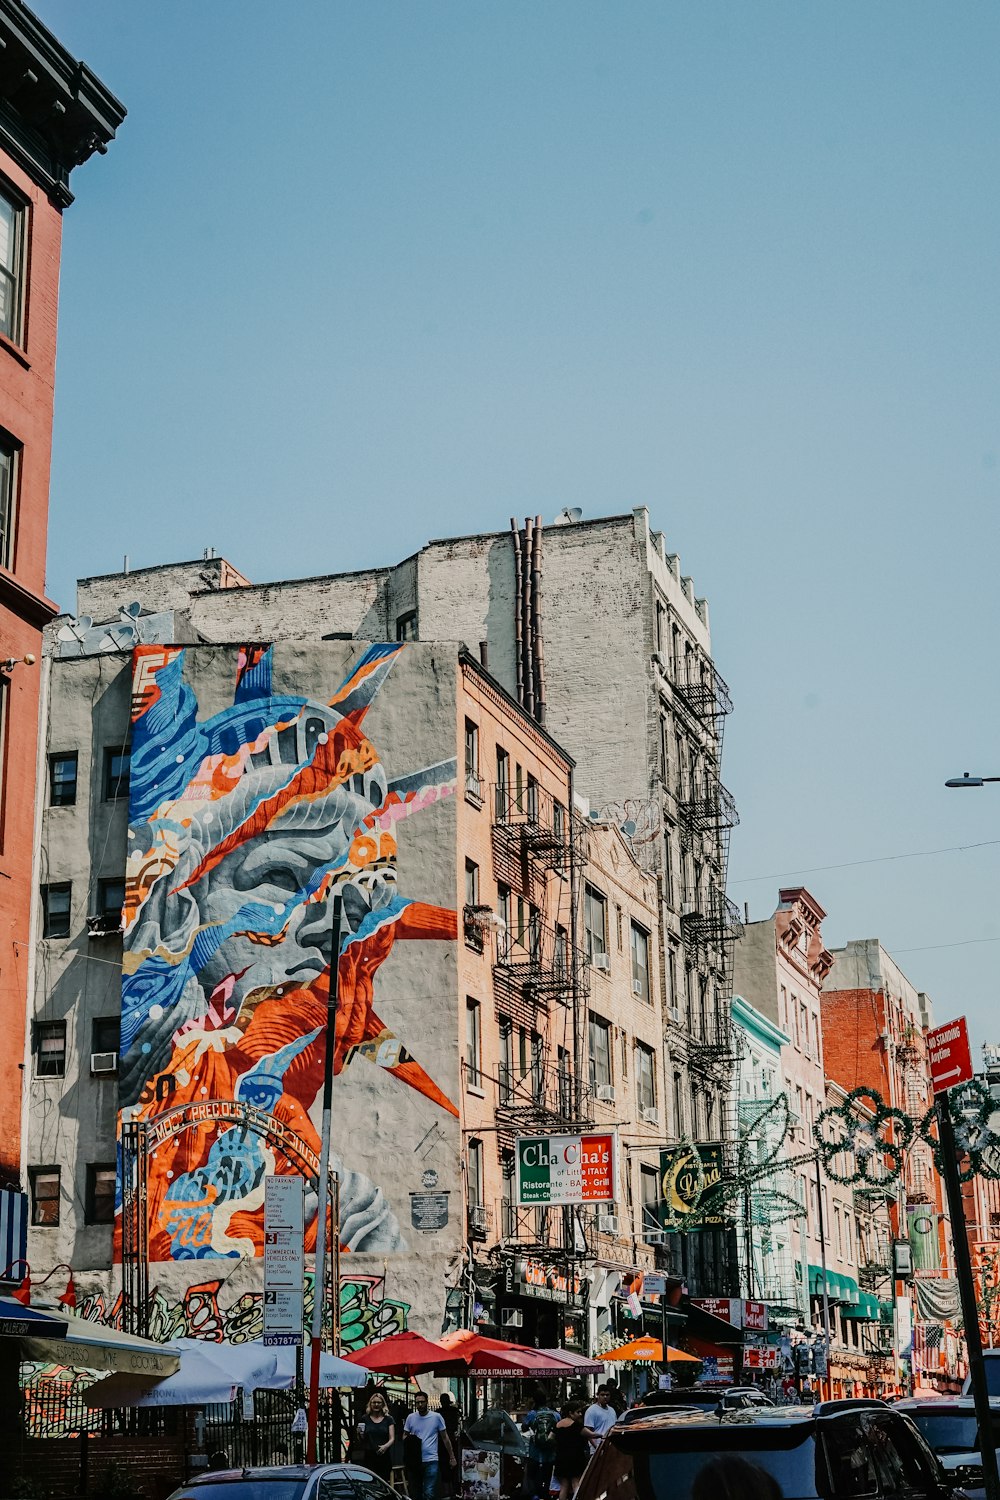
{"x": 563, "y": 1170}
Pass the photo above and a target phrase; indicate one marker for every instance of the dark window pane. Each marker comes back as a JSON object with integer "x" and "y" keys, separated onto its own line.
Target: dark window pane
{"x": 56, "y": 910}
{"x": 62, "y": 779}
{"x": 50, "y": 1049}
{"x": 116, "y": 768}
{"x": 106, "y": 1034}
{"x": 44, "y": 1196}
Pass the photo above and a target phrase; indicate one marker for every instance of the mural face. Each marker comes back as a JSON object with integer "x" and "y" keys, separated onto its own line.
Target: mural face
{"x": 242, "y": 826}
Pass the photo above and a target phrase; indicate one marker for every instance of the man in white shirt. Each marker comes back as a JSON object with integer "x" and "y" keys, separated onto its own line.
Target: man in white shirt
{"x": 429, "y": 1427}
{"x": 600, "y": 1417}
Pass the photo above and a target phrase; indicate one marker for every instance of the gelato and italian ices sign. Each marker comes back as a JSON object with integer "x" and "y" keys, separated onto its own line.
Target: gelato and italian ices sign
{"x": 562, "y": 1170}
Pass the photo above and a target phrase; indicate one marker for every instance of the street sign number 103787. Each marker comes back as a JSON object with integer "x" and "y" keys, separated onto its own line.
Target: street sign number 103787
{"x": 950, "y": 1055}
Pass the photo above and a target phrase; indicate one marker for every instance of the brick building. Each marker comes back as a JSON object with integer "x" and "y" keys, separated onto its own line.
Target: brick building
{"x": 874, "y": 1035}
{"x": 54, "y": 114}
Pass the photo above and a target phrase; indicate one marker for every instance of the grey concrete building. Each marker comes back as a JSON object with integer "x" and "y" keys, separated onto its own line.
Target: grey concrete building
{"x": 593, "y": 628}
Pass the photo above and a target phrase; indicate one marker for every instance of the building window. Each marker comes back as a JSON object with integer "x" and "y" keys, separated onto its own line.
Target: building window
{"x": 99, "y": 1206}
{"x": 599, "y": 1052}
{"x": 649, "y": 1189}
{"x": 564, "y": 1081}
{"x": 561, "y": 953}
{"x": 406, "y": 626}
{"x": 110, "y": 900}
{"x": 559, "y": 822}
{"x": 476, "y": 1182}
{"x": 8, "y": 500}
{"x": 473, "y": 1045}
{"x": 595, "y": 926}
{"x": 471, "y": 883}
{"x": 506, "y": 1060}
{"x": 62, "y": 779}
{"x": 44, "y": 1196}
{"x": 105, "y": 1038}
{"x": 503, "y": 918}
{"x": 12, "y": 219}
{"x": 473, "y": 785}
{"x": 668, "y": 867}
{"x": 50, "y": 1049}
{"x": 678, "y": 1107}
{"x": 503, "y": 786}
{"x": 56, "y": 909}
{"x": 640, "y": 962}
{"x": 116, "y": 765}
{"x": 532, "y": 803}
{"x": 645, "y": 1077}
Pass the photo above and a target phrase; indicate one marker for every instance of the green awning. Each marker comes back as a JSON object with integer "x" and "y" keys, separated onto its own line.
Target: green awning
{"x": 838, "y": 1288}
{"x": 867, "y": 1309}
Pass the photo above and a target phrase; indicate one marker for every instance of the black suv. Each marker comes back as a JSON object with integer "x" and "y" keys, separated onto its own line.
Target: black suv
{"x": 837, "y": 1452}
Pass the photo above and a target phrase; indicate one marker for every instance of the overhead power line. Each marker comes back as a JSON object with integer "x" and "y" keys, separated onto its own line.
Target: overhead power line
{"x": 878, "y": 859}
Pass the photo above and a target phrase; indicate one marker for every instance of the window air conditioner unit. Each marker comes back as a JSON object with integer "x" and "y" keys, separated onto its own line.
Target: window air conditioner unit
{"x": 473, "y": 785}
{"x": 602, "y": 961}
{"x": 512, "y": 1317}
{"x": 605, "y": 1093}
{"x": 607, "y": 1223}
{"x": 477, "y": 1217}
{"x": 637, "y": 986}
{"x": 650, "y": 1116}
{"x": 103, "y": 1062}
{"x": 655, "y": 1236}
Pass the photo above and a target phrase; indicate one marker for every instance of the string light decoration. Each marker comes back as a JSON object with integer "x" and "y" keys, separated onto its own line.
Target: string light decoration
{"x": 863, "y": 1129}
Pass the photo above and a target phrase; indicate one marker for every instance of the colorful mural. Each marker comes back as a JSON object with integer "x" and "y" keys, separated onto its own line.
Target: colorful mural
{"x": 242, "y": 826}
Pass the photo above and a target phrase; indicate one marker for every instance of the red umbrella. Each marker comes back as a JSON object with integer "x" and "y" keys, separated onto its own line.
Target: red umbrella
{"x": 408, "y": 1354}
{"x": 484, "y": 1356}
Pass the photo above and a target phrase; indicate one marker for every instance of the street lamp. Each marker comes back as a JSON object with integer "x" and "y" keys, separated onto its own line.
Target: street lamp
{"x": 966, "y": 780}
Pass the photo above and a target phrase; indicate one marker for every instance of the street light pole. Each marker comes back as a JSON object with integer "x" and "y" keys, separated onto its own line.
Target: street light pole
{"x": 967, "y": 1293}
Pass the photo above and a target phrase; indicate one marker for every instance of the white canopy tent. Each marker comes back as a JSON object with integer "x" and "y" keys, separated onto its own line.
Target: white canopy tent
{"x": 213, "y": 1372}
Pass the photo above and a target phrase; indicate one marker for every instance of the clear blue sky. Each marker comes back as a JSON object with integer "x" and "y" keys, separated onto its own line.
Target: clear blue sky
{"x": 359, "y": 274}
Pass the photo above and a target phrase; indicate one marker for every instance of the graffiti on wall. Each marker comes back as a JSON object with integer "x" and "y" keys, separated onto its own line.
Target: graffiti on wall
{"x": 53, "y": 1394}
{"x": 243, "y": 825}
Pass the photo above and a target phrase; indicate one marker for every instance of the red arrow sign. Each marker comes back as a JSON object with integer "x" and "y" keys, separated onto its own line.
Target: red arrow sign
{"x": 950, "y": 1055}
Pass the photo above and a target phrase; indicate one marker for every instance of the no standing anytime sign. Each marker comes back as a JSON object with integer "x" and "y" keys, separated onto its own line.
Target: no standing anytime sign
{"x": 950, "y": 1055}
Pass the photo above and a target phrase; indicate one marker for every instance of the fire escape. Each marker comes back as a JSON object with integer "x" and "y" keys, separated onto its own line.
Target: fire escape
{"x": 540, "y": 985}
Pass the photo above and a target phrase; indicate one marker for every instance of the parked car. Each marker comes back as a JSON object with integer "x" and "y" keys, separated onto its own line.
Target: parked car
{"x": 289, "y": 1482}
{"x": 865, "y": 1450}
{"x": 991, "y": 1359}
{"x": 708, "y": 1397}
{"x": 948, "y": 1425}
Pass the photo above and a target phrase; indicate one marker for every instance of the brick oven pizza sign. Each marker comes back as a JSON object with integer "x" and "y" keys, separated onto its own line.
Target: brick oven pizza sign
{"x": 567, "y": 1169}
{"x": 950, "y": 1055}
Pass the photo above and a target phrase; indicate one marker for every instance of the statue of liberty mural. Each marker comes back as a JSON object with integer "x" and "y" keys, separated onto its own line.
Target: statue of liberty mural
{"x": 241, "y": 827}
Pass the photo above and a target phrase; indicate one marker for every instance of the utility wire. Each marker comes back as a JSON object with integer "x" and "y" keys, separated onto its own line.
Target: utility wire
{"x": 879, "y": 859}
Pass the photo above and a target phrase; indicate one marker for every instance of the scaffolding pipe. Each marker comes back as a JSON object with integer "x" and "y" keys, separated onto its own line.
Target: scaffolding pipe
{"x": 516, "y": 536}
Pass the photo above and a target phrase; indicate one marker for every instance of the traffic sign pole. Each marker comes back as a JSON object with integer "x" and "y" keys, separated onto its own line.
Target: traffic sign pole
{"x": 954, "y": 1039}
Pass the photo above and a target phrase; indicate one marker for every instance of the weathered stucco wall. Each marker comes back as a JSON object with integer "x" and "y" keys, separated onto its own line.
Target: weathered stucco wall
{"x": 240, "y": 1025}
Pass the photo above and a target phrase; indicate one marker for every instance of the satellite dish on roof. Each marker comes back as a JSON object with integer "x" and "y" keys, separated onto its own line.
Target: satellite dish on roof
{"x": 568, "y": 516}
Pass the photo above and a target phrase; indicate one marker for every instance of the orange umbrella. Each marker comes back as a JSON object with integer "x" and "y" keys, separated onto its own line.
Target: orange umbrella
{"x": 649, "y": 1351}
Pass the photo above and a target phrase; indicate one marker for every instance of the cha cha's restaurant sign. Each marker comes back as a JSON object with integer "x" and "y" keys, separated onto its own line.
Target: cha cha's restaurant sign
{"x": 562, "y": 1170}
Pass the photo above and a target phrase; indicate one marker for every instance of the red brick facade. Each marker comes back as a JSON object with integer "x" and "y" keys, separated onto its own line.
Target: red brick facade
{"x": 27, "y": 380}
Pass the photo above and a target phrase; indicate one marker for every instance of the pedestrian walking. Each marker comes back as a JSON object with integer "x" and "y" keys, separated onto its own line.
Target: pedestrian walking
{"x": 428, "y": 1427}
{"x": 600, "y": 1417}
{"x": 539, "y": 1422}
{"x": 572, "y": 1450}
{"x": 376, "y": 1435}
